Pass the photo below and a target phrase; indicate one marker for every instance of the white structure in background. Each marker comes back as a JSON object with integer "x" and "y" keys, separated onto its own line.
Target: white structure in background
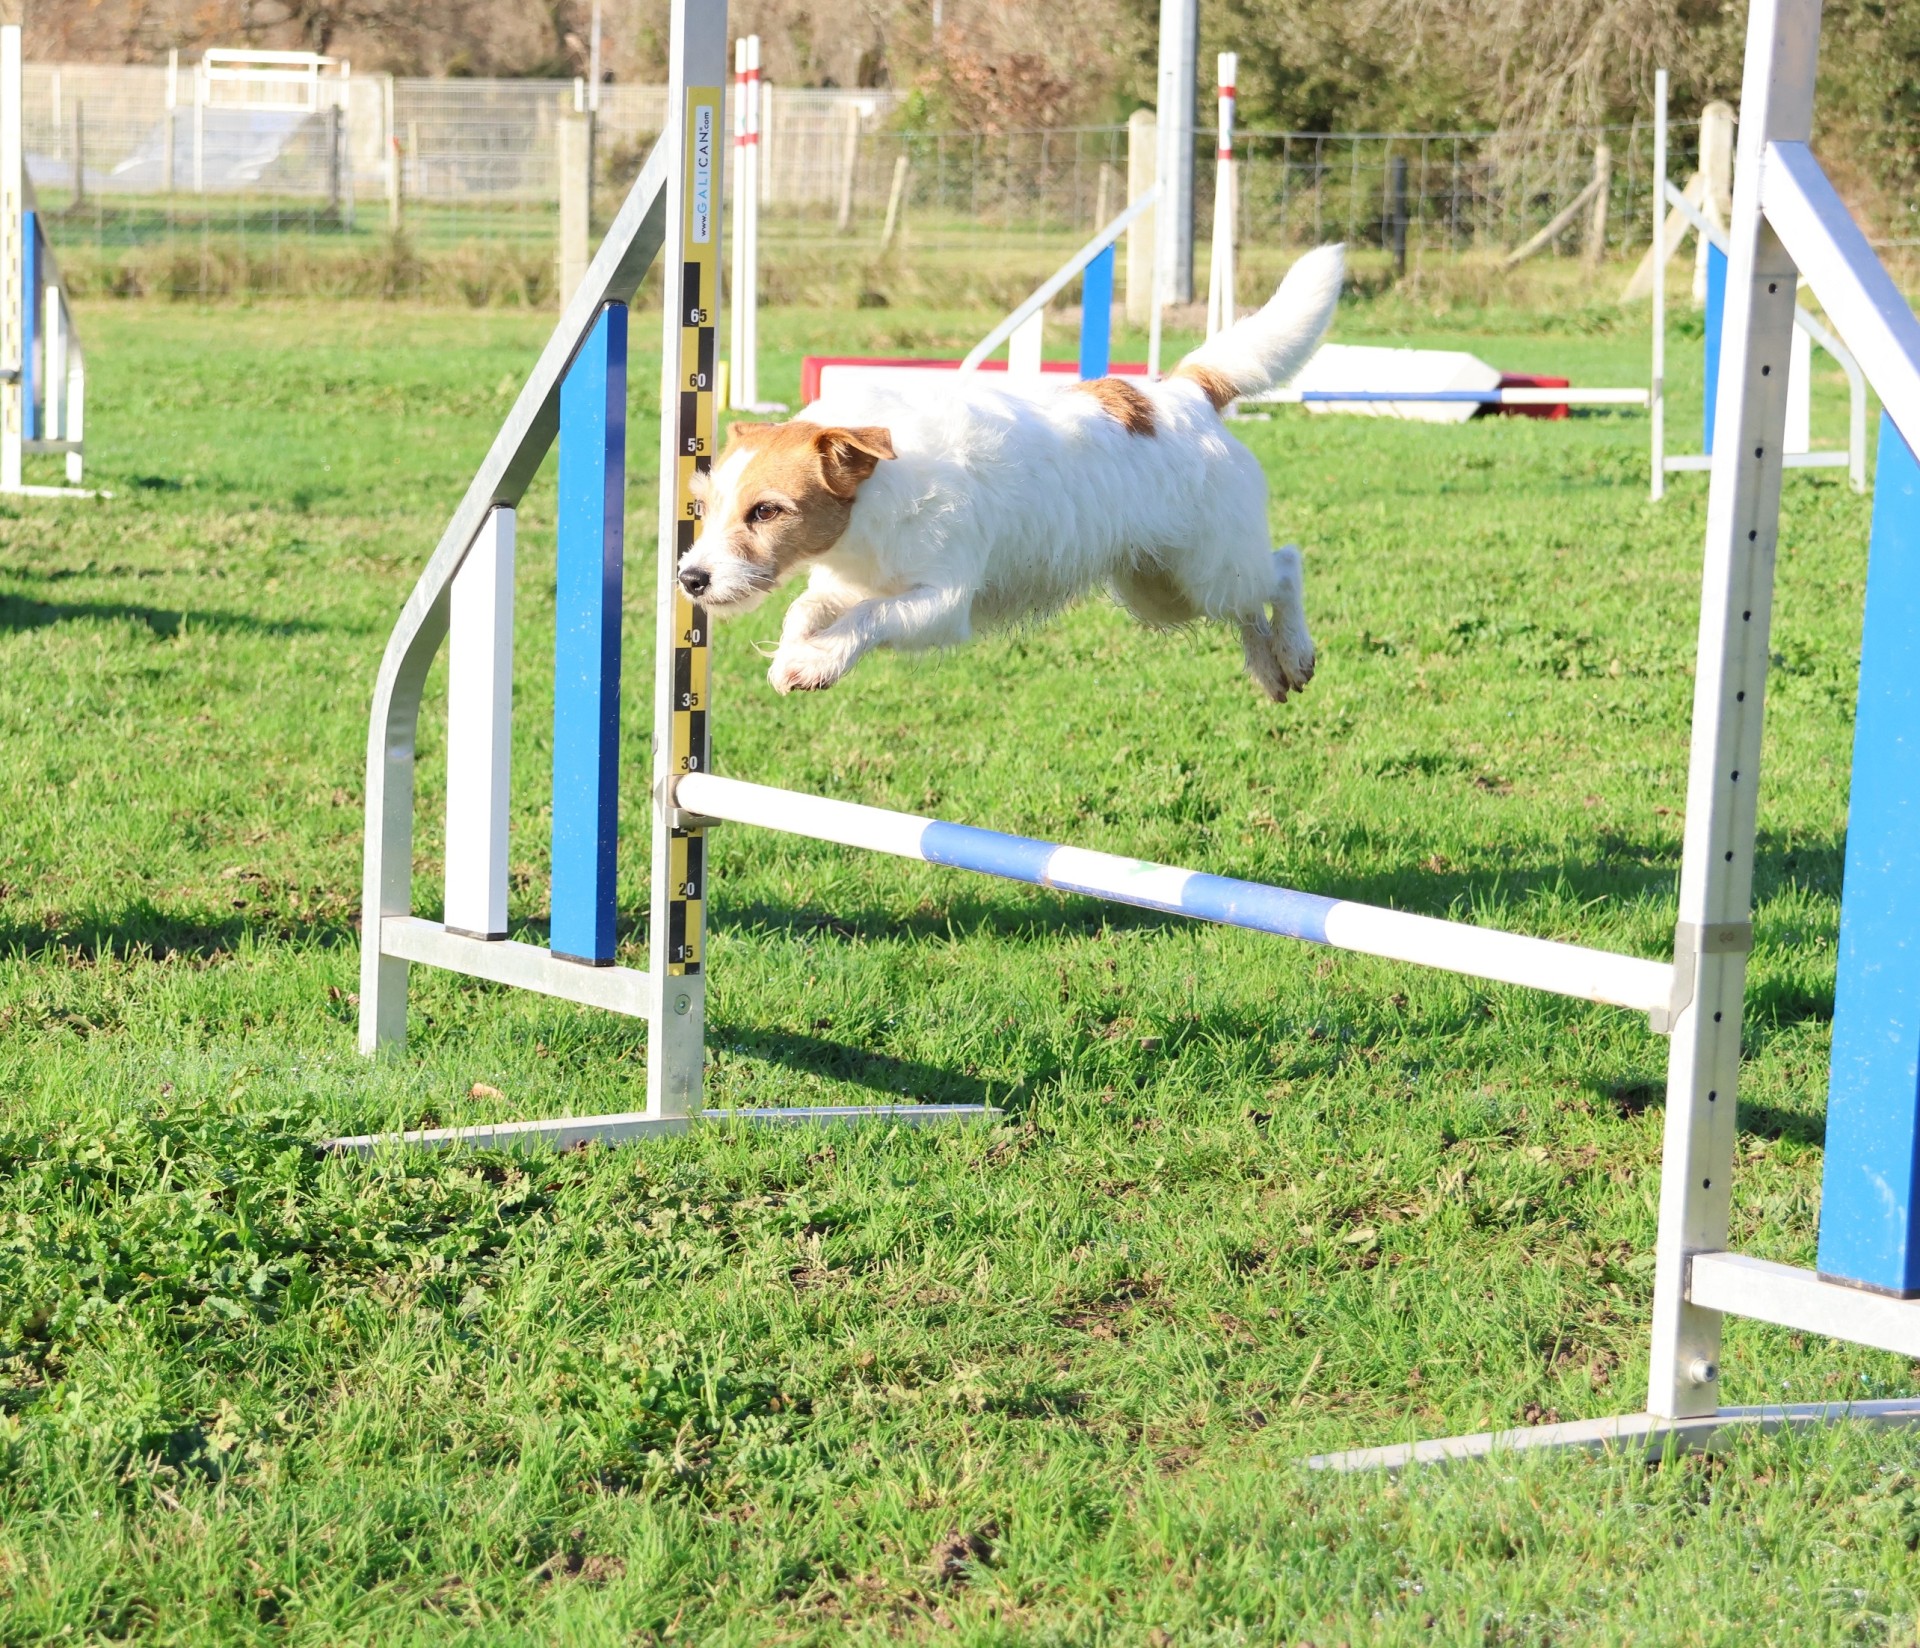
{"x": 249, "y": 106}
{"x": 1365, "y": 368}
{"x": 43, "y": 377}
{"x": 1690, "y": 207}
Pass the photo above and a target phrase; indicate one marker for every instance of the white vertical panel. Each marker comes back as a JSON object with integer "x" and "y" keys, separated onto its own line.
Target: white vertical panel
{"x": 1024, "y": 349}
{"x": 1799, "y": 394}
{"x": 54, "y": 368}
{"x": 479, "y": 731}
{"x": 76, "y": 412}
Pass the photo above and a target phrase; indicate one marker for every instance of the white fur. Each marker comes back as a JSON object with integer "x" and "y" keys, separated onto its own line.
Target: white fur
{"x": 999, "y": 509}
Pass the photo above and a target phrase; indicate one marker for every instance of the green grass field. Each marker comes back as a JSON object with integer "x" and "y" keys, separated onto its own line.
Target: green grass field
{"x": 1046, "y": 1381}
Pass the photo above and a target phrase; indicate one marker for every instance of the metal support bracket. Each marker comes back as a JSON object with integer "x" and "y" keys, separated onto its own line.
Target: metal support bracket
{"x": 1692, "y": 939}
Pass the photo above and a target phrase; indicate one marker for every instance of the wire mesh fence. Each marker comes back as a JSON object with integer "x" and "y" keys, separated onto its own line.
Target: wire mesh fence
{"x": 451, "y": 187}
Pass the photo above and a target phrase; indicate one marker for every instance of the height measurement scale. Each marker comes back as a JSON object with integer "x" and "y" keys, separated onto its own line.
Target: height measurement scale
{"x": 691, "y": 260}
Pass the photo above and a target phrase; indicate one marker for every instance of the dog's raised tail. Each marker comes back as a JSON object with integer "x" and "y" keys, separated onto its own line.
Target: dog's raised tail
{"x": 1269, "y": 347}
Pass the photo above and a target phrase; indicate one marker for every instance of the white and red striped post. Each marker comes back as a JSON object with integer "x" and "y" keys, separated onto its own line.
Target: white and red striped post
{"x": 743, "y": 393}
{"x": 750, "y": 310}
{"x": 740, "y": 186}
{"x": 1220, "y": 310}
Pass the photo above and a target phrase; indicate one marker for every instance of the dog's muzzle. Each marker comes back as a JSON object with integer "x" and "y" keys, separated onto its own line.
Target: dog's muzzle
{"x": 695, "y": 581}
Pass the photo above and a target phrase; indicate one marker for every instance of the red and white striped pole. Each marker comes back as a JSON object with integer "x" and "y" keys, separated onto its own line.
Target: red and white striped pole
{"x": 1220, "y": 307}
{"x": 736, "y": 335}
{"x": 743, "y": 384}
{"x": 750, "y": 287}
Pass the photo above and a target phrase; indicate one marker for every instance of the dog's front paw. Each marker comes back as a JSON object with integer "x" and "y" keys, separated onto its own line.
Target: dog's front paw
{"x": 803, "y": 669}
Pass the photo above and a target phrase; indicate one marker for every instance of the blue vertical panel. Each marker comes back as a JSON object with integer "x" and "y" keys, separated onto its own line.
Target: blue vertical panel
{"x": 586, "y": 649}
{"x": 1716, "y": 311}
{"x": 1869, "y": 1202}
{"x": 29, "y": 321}
{"x": 1096, "y": 316}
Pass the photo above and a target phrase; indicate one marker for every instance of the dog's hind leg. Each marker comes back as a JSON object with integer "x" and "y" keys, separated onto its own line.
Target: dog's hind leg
{"x": 1279, "y": 650}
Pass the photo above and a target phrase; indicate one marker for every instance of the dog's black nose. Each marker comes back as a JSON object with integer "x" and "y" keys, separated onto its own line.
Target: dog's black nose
{"x": 694, "y": 580}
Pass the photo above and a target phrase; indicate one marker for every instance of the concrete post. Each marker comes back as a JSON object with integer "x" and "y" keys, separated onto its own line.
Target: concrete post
{"x": 1716, "y": 185}
{"x": 1142, "y": 160}
{"x": 1179, "y": 66}
{"x": 574, "y": 149}
{"x": 1602, "y": 186}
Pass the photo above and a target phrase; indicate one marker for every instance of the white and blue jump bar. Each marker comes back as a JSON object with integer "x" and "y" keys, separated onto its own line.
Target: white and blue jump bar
{"x": 1469, "y": 397}
{"x": 1455, "y": 947}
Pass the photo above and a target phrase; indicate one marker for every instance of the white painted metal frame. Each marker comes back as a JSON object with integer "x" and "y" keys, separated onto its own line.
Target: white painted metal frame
{"x": 480, "y": 731}
{"x": 1786, "y": 221}
{"x": 392, "y": 938}
{"x": 62, "y": 363}
{"x": 466, "y": 590}
{"x": 1854, "y": 459}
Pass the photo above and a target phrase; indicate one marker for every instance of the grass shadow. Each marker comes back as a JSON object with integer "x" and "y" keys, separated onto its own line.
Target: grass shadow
{"x": 894, "y": 1080}
{"x": 148, "y": 934}
{"x": 19, "y": 613}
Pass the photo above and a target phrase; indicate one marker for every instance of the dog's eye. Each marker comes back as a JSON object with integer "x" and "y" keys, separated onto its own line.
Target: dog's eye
{"x": 760, "y": 514}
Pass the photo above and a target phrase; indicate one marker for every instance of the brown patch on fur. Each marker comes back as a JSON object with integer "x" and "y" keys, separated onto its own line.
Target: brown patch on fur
{"x": 1213, "y": 384}
{"x": 801, "y": 478}
{"x": 1124, "y": 403}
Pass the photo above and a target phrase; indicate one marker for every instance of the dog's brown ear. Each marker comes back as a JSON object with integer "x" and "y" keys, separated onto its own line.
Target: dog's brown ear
{"x": 849, "y": 456}
{"x": 749, "y": 433}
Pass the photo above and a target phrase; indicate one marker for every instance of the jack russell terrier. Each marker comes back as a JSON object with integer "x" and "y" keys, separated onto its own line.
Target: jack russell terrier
{"x": 919, "y": 515}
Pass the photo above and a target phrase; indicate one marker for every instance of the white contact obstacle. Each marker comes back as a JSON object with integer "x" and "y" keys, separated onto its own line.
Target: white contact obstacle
{"x": 43, "y": 377}
{"x": 1785, "y": 220}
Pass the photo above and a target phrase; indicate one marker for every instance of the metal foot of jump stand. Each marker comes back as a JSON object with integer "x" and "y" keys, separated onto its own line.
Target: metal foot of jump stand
{"x": 1643, "y": 1435}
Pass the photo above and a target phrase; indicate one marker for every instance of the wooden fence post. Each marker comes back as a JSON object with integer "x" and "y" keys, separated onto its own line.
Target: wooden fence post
{"x": 1143, "y": 141}
{"x": 1602, "y": 187}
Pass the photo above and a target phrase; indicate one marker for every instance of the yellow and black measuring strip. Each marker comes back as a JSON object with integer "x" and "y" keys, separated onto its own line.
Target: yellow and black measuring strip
{"x": 699, "y": 300}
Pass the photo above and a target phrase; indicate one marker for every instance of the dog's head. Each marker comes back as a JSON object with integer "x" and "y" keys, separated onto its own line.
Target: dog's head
{"x": 781, "y": 494}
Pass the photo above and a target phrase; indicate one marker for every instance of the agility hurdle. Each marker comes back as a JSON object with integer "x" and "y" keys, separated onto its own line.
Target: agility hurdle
{"x": 1866, "y": 1286}
{"x": 1021, "y": 333}
{"x": 43, "y": 377}
{"x": 1807, "y": 330}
